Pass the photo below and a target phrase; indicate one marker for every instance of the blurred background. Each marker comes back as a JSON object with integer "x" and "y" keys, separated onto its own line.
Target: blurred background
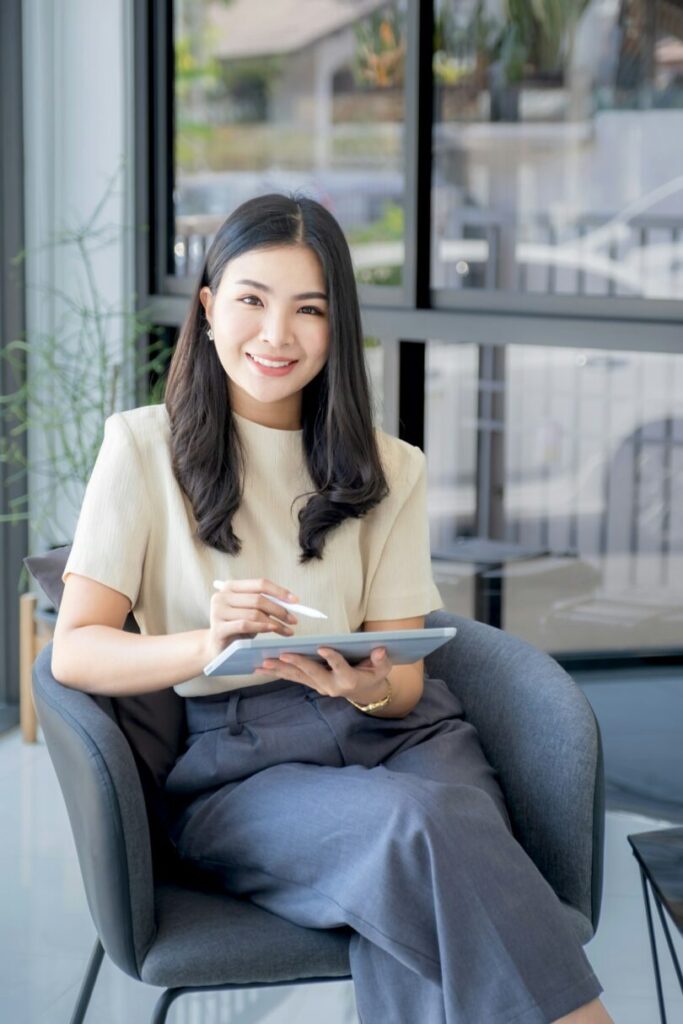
{"x": 509, "y": 176}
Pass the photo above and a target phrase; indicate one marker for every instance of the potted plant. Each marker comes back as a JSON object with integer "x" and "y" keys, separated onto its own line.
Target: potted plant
{"x": 73, "y": 377}
{"x": 523, "y": 42}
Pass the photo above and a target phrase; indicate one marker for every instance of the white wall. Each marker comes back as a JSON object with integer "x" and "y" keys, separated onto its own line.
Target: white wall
{"x": 78, "y": 116}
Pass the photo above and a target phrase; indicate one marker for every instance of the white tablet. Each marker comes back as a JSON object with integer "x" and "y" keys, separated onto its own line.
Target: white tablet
{"x": 403, "y": 646}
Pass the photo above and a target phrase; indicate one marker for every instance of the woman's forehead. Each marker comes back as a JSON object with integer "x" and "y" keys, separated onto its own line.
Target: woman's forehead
{"x": 281, "y": 263}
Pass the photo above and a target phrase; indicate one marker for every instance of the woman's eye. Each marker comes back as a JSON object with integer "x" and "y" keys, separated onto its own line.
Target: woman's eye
{"x": 311, "y": 309}
{"x": 250, "y": 300}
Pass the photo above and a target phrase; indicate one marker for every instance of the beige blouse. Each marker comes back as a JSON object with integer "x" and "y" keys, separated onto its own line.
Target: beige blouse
{"x": 135, "y": 533}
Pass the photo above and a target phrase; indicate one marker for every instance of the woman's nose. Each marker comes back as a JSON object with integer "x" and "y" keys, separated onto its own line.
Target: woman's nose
{"x": 276, "y": 328}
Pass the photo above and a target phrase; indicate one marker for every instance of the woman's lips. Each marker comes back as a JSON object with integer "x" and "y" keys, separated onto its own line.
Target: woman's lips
{"x": 271, "y": 371}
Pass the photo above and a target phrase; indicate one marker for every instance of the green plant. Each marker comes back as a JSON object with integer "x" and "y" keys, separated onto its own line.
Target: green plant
{"x": 389, "y": 228}
{"x": 71, "y": 379}
{"x": 381, "y": 50}
{"x": 531, "y": 36}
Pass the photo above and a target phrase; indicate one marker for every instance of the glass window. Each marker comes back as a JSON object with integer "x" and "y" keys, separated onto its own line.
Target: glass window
{"x": 451, "y": 449}
{"x": 269, "y": 99}
{"x": 591, "y": 477}
{"x": 558, "y": 143}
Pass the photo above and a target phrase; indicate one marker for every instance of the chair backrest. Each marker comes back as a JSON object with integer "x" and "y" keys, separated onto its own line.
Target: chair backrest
{"x": 153, "y": 723}
{"x": 539, "y": 732}
{"x": 101, "y": 786}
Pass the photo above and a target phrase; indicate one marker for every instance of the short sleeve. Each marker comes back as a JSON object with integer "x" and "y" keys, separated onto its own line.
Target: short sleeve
{"x": 113, "y": 525}
{"x": 403, "y": 585}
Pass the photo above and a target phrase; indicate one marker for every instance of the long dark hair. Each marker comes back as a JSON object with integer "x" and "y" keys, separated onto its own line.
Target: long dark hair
{"x": 339, "y": 442}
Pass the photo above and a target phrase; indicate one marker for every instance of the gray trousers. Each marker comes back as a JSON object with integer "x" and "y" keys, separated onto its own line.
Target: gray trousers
{"x": 396, "y": 827}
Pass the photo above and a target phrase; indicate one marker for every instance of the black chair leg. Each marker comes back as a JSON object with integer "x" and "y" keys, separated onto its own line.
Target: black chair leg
{"x": 163, "y": 1004}
{"x": 88, "y": 984}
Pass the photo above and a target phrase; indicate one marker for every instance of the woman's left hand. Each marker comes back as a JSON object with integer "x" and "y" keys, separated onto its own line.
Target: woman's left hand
{"x": 337, "y": 678}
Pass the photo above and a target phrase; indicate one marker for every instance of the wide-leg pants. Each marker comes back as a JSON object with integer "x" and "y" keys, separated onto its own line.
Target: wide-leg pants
{"x": 396, "y": 827}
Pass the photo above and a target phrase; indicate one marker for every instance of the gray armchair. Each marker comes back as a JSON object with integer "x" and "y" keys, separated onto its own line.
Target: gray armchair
{"x": 167, "y": 926}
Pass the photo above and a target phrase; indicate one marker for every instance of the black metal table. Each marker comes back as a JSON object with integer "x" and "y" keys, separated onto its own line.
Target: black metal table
{"x": 489, "y": 558}
{"x": 660, "y": 859}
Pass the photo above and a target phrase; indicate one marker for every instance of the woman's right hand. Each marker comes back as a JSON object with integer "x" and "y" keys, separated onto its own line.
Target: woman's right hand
{"x": 240, "y": 611}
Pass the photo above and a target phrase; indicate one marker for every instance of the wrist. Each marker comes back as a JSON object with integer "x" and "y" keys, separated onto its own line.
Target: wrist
{"x": 371, "y": 692}
{"x": 205, "y": 648}
{"x": 407, "y": 682}
{"x": 369, "y": 704}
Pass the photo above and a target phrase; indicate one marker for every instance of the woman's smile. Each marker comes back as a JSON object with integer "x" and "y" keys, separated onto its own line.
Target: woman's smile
{"x": 271, "y": 368}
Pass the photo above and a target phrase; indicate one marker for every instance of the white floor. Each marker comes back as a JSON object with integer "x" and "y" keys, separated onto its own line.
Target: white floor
{"x": 46, "y": 933}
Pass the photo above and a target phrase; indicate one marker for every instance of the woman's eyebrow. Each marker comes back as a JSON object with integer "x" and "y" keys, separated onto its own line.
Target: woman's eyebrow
{"x": 265, "y": 288}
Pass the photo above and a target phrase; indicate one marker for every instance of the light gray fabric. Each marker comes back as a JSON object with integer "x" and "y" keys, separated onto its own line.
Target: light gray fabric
{"x": 396, "y": 827}
{"x": 106, "y": 808}
{"x": 539, "y": 732}
{"x": 581, "y": 925}
{"x": 209, "y": 938}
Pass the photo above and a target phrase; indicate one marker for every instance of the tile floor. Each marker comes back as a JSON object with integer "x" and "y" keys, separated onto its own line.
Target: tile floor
{"x": 46, "y": 933}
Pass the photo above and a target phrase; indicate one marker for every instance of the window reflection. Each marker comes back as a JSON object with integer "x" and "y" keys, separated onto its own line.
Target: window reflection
{"x": 558, "y": 147}
{"x": 285, "y": 97}
{"x": 592, "y": 482}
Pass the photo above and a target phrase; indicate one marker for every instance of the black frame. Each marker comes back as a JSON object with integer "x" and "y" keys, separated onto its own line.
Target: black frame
{"x": 459, "y": 316}
{"x": 13, "y": 538}
{"x": 405, "y": 317}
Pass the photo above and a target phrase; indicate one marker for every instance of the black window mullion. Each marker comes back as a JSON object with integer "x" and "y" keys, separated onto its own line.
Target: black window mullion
{"x": 411, "y": 392}
{"x": 418, "y": 153}
{"x": 418, "y": 215}
{"x": 163, "y": 134}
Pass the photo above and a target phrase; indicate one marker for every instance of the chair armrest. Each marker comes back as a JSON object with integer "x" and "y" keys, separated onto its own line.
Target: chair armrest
{"x": 106, "y": 807}
{"x": 540, "y": 734}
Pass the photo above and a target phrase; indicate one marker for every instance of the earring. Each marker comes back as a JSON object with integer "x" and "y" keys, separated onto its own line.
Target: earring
{"x": 210, "y": 333}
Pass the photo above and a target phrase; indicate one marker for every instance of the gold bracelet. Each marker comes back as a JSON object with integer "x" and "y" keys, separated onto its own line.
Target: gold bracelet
{"x": 375, "y": 704}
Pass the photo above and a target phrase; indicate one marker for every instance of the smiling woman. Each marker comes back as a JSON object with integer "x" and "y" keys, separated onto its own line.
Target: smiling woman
{"x": 261, "y": 330}
{"x": 310, "y": 769}
{"x": 277, "y": 283}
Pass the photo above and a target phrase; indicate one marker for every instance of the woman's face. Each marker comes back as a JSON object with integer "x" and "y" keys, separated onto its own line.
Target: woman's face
{"x": 270, "y": 303}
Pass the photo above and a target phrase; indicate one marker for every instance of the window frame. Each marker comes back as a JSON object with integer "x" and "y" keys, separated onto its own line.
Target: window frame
{"x": 154, "y": 87}
{"x": 13, "y": 538}
{"x": 403, "y": 318}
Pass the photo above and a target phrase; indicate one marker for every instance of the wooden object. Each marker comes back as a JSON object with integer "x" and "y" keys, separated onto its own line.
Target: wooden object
{"x": 34, "y": 633}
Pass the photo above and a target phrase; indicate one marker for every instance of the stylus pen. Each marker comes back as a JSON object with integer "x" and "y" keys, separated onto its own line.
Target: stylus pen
{"x": 312, "y": 613}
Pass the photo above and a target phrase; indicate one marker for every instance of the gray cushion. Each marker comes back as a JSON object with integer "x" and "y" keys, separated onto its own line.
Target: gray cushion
{"x": 153, "y": 723}
{"x": 193, "y": 946}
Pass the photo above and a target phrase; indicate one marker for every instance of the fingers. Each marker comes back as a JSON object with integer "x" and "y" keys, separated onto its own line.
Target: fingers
{"x": 378, "y": 661}
{"x": 238, "y": 603}
{"x": 336, "y": 678}
{"x": 261, "y": 603}
{"x": 298, "y": 668}
{"x": 233, "y": 629}
{"x": 260, "y": 585}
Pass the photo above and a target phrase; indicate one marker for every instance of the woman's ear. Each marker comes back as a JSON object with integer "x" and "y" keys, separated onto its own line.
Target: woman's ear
{"x": 206, "y": 299}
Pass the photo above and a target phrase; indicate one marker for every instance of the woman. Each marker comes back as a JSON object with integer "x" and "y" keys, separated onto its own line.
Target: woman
{"x": 329, "y": 794}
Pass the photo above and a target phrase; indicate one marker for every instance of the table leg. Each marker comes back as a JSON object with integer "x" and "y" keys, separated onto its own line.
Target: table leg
{"x": 669, "y": 941}
{"x": 488, "y": 594}
{"x": 653, "y": 946}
